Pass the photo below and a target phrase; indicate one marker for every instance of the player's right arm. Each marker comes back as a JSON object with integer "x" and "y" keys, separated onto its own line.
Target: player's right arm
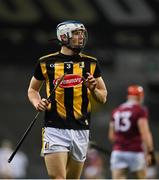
{"x": 39, "y": 103}
{"x": 111, "y": 135}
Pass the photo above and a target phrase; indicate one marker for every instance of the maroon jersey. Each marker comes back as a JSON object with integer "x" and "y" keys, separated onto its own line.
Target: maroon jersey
{"x": 125, "y": 119}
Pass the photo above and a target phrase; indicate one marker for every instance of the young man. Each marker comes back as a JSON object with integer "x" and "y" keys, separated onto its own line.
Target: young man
{"x": 131, "y": 137}
{"x": 67, "y": 114}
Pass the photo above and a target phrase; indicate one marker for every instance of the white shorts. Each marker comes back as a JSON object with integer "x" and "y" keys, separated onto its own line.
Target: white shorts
{"x": 65, "y": 140}
{"x": 134, "y": 161}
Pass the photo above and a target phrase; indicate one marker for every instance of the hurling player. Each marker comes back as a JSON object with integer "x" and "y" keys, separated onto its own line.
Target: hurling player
{"x": 131, "y": 137}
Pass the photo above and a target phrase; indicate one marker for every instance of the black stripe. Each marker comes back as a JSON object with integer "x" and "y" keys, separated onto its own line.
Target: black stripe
{"x": 68, "y": 93}
{"x": 50, "y": 73}
{"x": 84, "y": 89}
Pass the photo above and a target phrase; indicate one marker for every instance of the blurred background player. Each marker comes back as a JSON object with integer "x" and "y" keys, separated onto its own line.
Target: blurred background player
{"x": 94, "y": 165}
{"x": 17, "y": 168}
{"x": 67, "y": 114}
{"x": 131, "y": 137}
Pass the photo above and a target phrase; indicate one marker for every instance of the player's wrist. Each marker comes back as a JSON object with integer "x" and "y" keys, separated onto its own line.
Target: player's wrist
{"x": 151, "y": 152}
{"x": 153, "y": 159}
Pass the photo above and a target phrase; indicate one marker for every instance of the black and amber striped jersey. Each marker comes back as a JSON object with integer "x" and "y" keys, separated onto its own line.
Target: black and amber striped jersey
{"x": 70, "y": 105}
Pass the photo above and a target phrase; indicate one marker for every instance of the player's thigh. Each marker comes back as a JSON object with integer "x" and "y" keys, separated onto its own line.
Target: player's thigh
{"x": 74, "y": 169}
{"x": 56, "y": 164}
{"x": 119, "y": 174}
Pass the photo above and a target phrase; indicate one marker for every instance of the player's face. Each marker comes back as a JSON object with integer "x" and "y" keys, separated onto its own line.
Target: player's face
{"x": 78, "y": 38}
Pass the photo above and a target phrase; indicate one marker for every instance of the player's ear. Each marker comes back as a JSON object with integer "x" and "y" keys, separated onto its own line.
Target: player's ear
{"x": 64, "y": 37}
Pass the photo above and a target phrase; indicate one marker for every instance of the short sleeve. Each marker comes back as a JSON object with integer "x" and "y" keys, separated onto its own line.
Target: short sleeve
{"x": 97, "y": 72}
{"x": 38, "y": 72}
{"x": 143, "y": 113}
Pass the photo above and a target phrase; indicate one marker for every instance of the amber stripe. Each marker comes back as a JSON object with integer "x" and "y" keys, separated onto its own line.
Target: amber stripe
{"x": 44, "y": 71}
{"x": 92, "y": 69}
{"x": 59, "y": 93}
{"x": 43, "y": 144}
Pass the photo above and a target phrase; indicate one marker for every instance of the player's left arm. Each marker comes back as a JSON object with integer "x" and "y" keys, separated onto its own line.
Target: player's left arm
{"x": 97, "y": 88}
{"x": 147, "y": 139}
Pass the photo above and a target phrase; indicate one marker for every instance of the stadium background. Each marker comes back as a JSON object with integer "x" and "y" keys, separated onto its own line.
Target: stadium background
{"x": 123, "y": 34}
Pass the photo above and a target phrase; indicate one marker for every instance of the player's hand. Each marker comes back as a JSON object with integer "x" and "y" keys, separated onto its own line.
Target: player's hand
{"x": 42, "y": 105}
{"x": 151, "y": 161}
{"x": 91, "y": 82}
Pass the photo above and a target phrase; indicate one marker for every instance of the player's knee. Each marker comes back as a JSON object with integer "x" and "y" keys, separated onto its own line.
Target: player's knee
{"x": 58, "y": 176}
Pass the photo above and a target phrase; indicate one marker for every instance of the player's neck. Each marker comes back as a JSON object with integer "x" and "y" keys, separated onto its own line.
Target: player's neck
{"x": 66, "y": 51}
{"x": 133, "y": 100}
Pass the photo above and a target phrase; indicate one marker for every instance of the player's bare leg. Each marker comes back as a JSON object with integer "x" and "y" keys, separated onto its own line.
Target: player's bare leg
{"x": 140, "y": 174}
{"x": 74, "y": 169}
{"x": 56, "y": 165}
{"x": 119, "y": 174}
